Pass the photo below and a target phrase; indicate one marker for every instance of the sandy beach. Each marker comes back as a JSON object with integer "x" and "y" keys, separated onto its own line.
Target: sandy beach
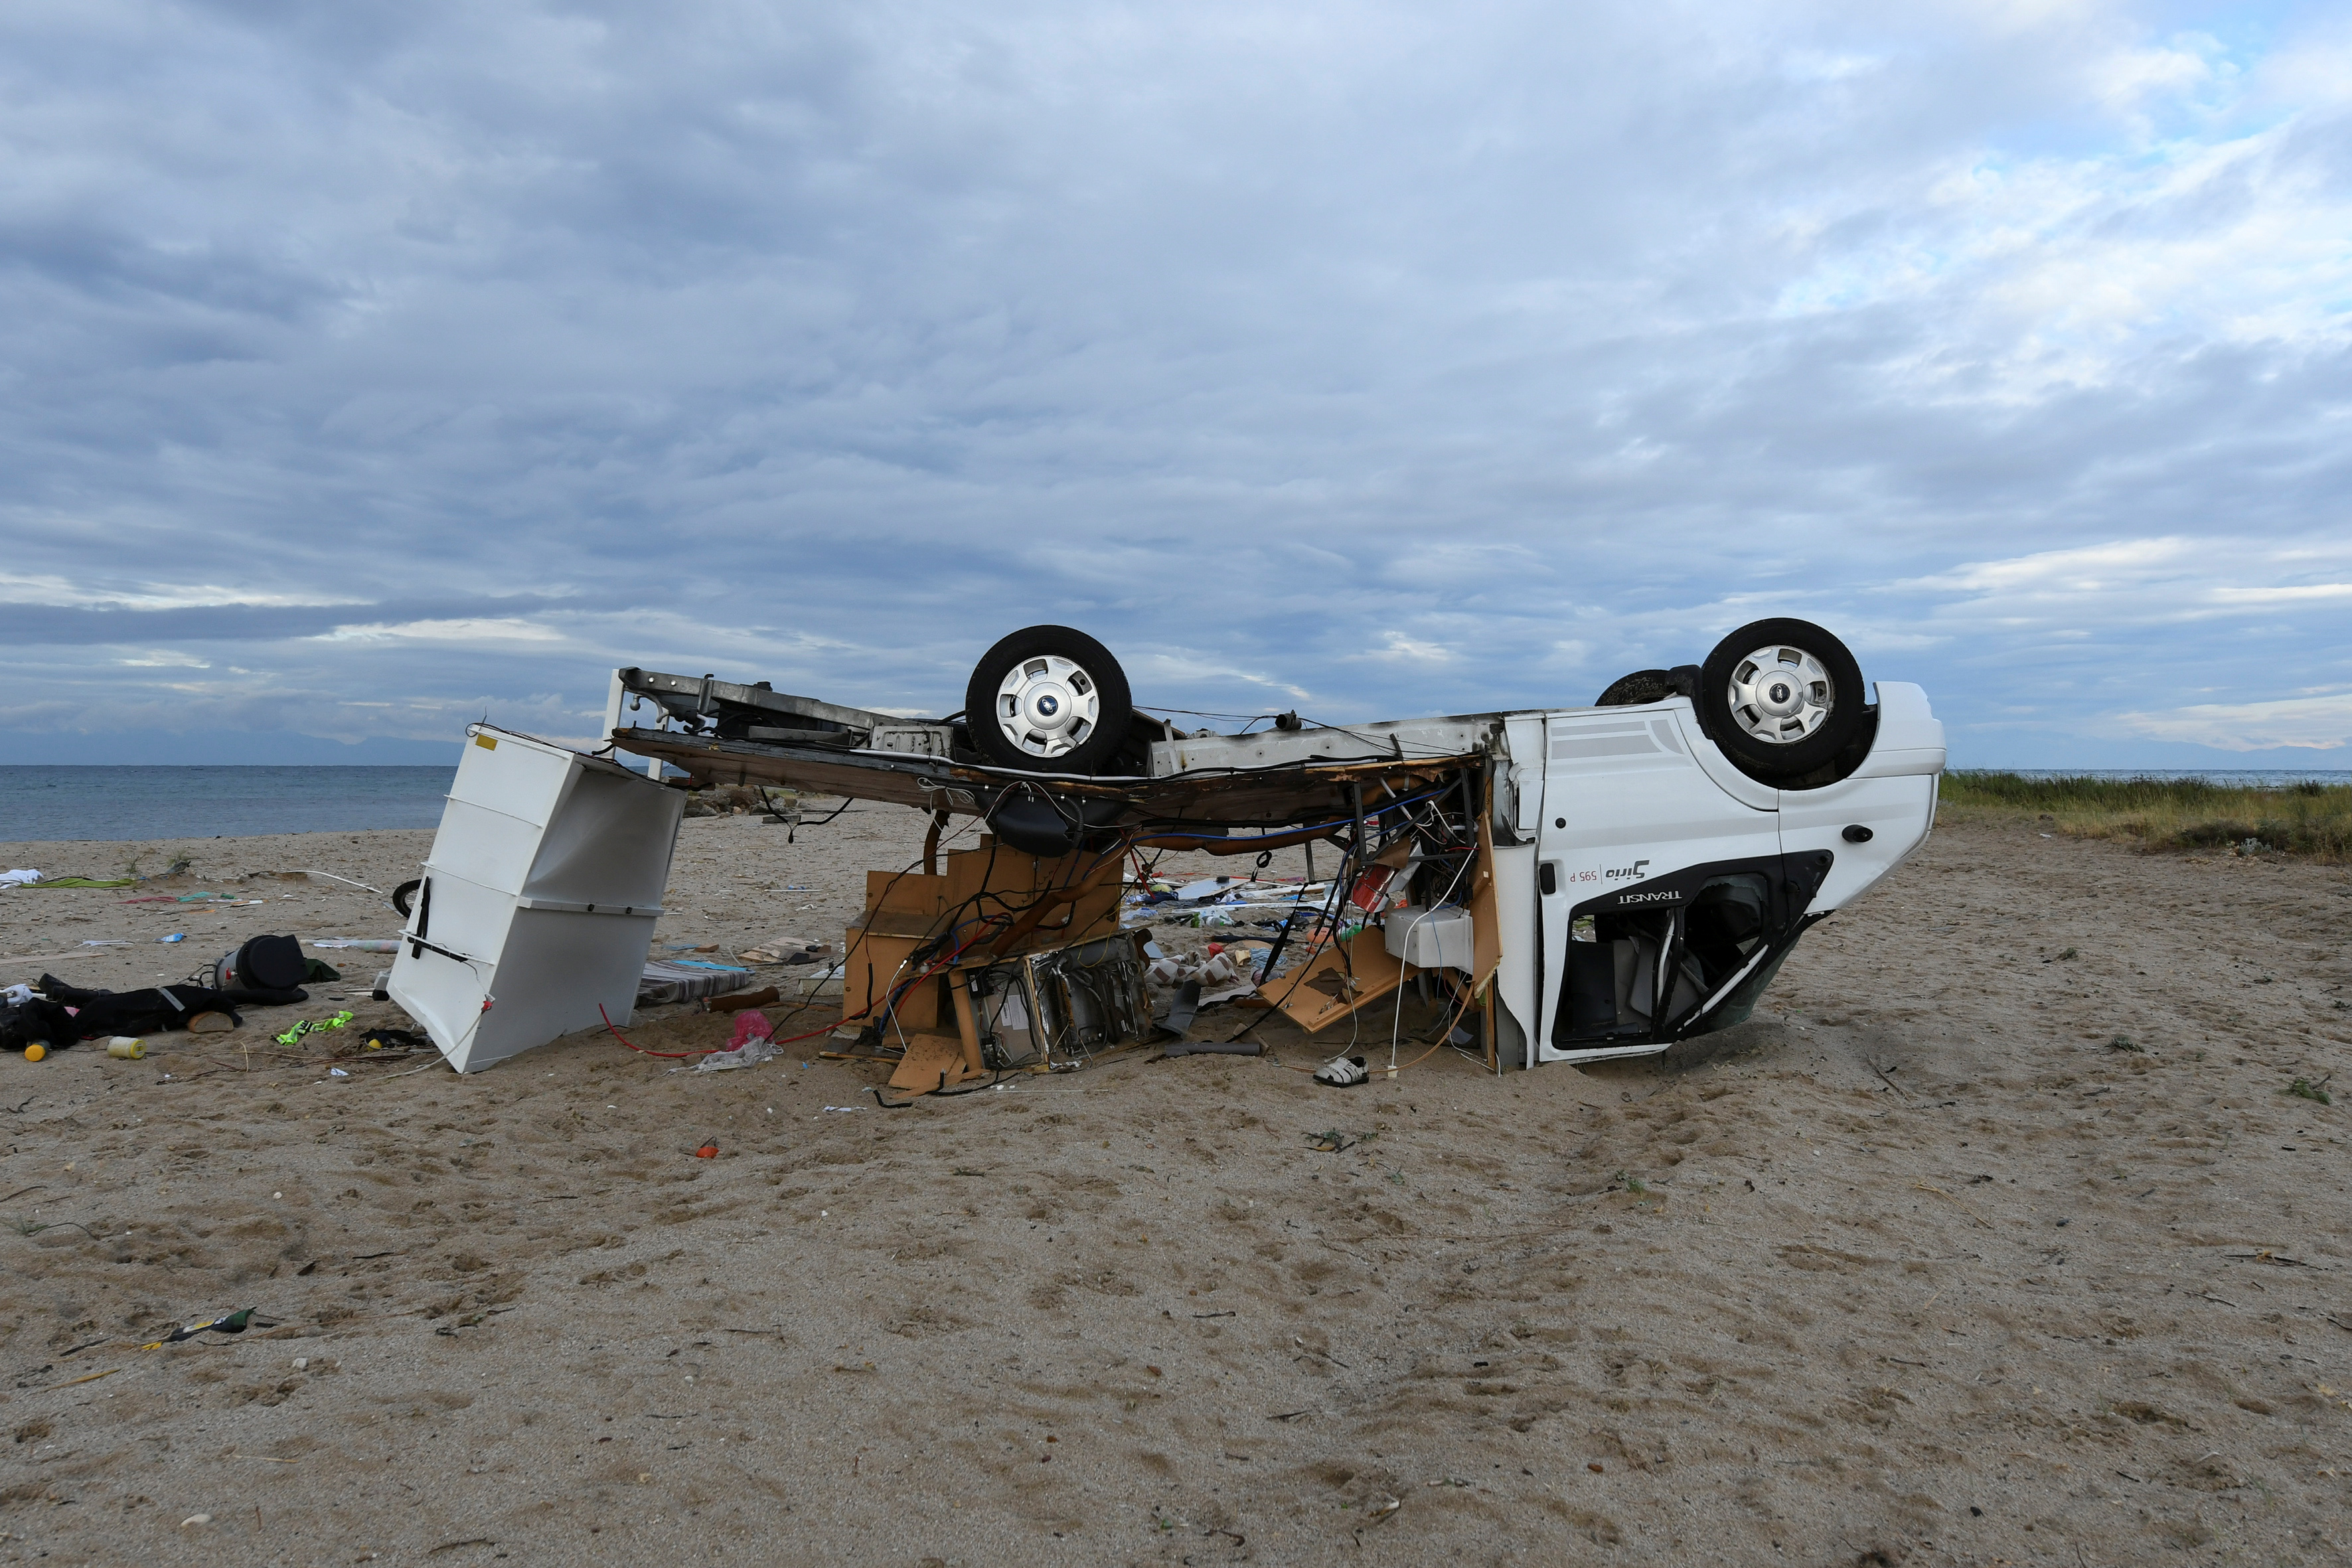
{"x": 1994, "y": 1237}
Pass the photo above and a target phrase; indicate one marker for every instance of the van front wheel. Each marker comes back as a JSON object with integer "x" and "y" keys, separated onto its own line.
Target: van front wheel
{"x": 1783, "y": 698}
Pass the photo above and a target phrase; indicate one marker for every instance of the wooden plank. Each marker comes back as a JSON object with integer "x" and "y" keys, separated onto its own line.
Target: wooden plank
{"x": 1336, "y": 981}
{"x": 1092, "y": 914}
{"x": 967, "y": 1021}
{"x": 997, "y": 868}
{"x": 1486, "y": 937}
{"x": 1020, "y": 936}
{"x": 932, "y": 1062}
{"x": 873, "y": 965}
{"x": 1485, "y": 917}
{"x": 913, "y": 899}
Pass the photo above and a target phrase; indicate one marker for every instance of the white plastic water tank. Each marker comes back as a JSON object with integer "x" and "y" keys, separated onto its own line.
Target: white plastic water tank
{"x": 1432, "y": 939}
{"x": 539, "y": 900}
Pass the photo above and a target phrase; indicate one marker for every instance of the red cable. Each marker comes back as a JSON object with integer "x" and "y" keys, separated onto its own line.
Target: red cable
{"x": 668, "y": 1055}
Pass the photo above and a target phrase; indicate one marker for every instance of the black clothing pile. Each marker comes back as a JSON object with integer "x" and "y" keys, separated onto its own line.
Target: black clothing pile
{"x": 38, "y": 1022}
{"x": 152, "y": 1011}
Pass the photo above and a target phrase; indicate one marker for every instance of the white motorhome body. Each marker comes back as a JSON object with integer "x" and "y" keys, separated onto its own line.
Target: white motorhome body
{"x": 1646, "y": 884}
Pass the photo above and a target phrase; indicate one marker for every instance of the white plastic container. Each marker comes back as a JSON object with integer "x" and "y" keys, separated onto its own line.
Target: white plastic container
{"x": 1430, "y": 939}
{"x": 538, "y": 900}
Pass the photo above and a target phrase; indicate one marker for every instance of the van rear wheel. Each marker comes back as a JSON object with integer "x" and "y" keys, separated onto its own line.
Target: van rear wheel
{"x": 1047, "y": 700}
{"x": 1783, "y": 700}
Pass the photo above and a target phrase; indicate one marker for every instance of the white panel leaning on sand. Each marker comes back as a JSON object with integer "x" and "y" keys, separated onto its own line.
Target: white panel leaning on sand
{"x": 537, "y": 904}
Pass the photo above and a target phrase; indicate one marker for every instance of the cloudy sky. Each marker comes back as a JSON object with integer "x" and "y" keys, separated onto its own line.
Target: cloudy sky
{"x": 374, "y": 367}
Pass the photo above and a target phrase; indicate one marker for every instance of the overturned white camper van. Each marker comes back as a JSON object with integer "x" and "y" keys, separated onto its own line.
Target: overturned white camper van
{"x": 1632, "y": 873}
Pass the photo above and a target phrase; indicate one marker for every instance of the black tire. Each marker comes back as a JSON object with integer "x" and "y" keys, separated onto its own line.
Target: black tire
{"x": 1642, "y": 686}
{"x": 1044, "y": 747}
{"x": 1815, "y": 698}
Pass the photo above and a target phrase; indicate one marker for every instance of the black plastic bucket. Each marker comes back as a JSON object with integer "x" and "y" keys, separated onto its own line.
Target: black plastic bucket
{"x": 263, "y": 963}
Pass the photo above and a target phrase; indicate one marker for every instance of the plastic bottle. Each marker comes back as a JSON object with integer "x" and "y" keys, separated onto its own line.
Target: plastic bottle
{"x": 127, "y": 1048}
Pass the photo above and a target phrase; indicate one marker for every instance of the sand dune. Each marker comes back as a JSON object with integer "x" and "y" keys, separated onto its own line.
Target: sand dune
{"x": 1919, "y": 1266}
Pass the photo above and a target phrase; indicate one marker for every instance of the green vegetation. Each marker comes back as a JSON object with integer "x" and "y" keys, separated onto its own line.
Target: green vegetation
{"x": 2310, "y": 821}
{"x": 2304, "y": 1088}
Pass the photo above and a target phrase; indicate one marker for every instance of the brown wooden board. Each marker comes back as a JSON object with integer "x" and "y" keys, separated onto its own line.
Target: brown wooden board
{"x": 1336, "y": 981}
{"x": 1486, "y": 918}
{"x": 1051, "y": 902}
{"x": 875, "y": 964}
{"x": 968, "y": 873}
{"x": 904, "y": 904}
{"x": 1094, "y": 915}
{"x": 967, "y": 1021}
{"x": 1486, "y": 933}
{"x": 932, "y": 1062}
{"x": 1055, "y": 915}
{"x": 1002, "y": 881}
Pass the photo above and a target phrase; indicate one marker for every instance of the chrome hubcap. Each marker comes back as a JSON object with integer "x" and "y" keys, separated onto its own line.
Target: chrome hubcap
{"x": 1047, "y": 706}
{"x": 1781, "y": 694}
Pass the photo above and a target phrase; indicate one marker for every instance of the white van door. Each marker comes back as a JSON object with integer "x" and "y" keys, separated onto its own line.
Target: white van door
{"x": 1637, "y": 828}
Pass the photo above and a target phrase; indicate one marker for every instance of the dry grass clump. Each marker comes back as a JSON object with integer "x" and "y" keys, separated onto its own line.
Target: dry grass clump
{"x": 2309, "y": 820}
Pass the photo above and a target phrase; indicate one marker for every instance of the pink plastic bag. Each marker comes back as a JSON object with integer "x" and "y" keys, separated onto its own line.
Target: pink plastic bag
{"x": 751, "y": 1024}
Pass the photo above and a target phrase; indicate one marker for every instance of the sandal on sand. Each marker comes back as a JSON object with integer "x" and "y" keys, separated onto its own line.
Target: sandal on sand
{"x": 1342, "y": 1071}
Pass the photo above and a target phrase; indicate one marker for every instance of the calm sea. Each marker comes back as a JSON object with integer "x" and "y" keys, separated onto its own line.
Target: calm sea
{"x": 119, "y": 803}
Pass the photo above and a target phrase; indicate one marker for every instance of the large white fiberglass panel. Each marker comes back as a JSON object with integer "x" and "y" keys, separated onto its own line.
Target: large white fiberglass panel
{"x": 488, "y": 848}
{"x": 605, "y": 846}
{"x": 523, "y": 783}
{"x": 1515, "y": 907}
{"x": 538, "y": 900}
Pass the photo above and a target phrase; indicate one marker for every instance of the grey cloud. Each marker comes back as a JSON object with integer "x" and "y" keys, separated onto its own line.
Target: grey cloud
{"x": 859, "y": 336}
{"x": 71, "y": 625}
